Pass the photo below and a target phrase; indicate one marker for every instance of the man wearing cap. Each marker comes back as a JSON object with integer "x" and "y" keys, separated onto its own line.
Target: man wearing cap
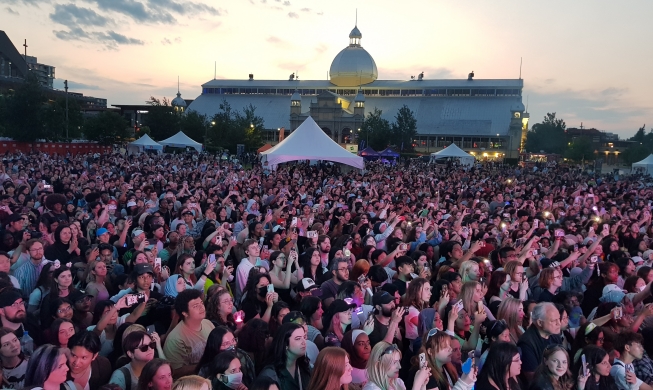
{"x": 138, "y": 244}
{"x": 143, "y": 275}
{"x": 16, "y": 224}
{"x": 13, "y": 314}
{"x": 28, "y": 273}
{"x": 306, "y": 288}
{"x": 386, "y": 319}
{"x": 82, "y": 316}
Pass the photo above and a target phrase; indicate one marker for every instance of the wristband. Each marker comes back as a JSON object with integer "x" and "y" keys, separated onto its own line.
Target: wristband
{"x": 204, "y": 273}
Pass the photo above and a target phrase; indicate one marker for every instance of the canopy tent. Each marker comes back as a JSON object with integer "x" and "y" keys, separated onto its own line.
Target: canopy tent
{"x": 368, "y": 153}
{"x": 309, "y": 142}
{"x": 181, "y": 140}
{"x": 143, "y": 143}
{"x": 264, "y": 148}
{"x": 645, "y": 166}
{"x": 388, "y": 153}
{"x": 453, "y": 151}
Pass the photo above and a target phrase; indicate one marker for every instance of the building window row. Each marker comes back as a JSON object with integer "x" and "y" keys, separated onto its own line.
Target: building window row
{"x": 367, "y": 92}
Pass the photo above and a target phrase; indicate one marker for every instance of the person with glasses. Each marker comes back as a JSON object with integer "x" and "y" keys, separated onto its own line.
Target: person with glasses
{"x": 139, "y": 348}
{"x": 221, "y": 339}
{"x": 443, "y": 375}
{"x": 554, "y": 373}
{"x": 13, "y": 314}
{"x": 28, "y": 273}
{"x": 501, "y": 370}
{"x": 339, "y": 269}
{"x": 337, "y": 321}
{"x": 185, "y": 344}
{"x": 220, "y": 311}
{"x": 550, "y": 280}
{"x": 226, "y": 372}
{"x": 544, "y": 331}
{"x": 383, "y": 369}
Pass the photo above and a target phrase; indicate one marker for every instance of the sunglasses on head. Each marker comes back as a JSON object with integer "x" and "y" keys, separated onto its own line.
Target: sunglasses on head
{"x": 145, "y": 347}
{"x": 391, "y": 349}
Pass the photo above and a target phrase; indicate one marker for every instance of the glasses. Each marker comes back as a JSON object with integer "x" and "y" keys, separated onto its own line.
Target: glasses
{"x": 230, "y": 343}
{"x": 65, "y": 310}
{"x": 391, "y": 349}
{"x": 146, "y": 347}
{"x": 226, "y": 301}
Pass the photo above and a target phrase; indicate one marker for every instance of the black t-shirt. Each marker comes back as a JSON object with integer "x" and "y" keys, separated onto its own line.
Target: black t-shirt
{"x": 546, "y": 296}
{"x": 252, "y": 307}
{"x": 401, "y": 286}
{"x": 532, "y": 346}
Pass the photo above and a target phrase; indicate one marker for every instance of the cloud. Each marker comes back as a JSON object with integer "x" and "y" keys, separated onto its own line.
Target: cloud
{"x": 34, "y": 3}
{"x": 305, "y": 10}
{"x": 293, "y": 15}
{"x": 110, "y": 39}
{"x": 72, "y": 16}
{"x": 273, "y": 39}
{"x": 320, "y": 13}
{"x": 321, "y": 48}
{"x": 11, "y": 11}
{"x": 286, "y": 3}
{"x": 186, "y": 7}
{"x": 167, "y": 41}
{"x": 135, "y": 10}
{"x": 58, "y": 84}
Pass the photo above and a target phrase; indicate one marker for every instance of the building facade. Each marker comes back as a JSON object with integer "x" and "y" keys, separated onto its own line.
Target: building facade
{"x": 484, "y": 117}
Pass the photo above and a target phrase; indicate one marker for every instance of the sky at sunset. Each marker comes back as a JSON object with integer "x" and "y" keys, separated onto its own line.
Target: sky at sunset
{"x": 589, "y": 61}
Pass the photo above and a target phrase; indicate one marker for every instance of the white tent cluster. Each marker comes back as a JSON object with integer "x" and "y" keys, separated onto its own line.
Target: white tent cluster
{"x": 309, "y": 142}
{"x": 181, "y": 140}
{"x": 453, "y": 151}
{"x": 142, "y": 144}
{"x": 645, "y": 166}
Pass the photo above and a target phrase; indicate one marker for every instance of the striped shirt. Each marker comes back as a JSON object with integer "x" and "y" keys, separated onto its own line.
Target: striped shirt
{"x": 28, "y": 274}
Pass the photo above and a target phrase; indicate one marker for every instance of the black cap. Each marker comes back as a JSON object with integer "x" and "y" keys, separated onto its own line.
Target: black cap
{"x": 77, "y": 295}
{"x": 14, "y": 218}
{"x": 339, "y": 305}
{"x": 295, "y": 317}
{"x": 9, "y": 296}
{"x": 143, "y": 268}
{"x": 382, "y": 298}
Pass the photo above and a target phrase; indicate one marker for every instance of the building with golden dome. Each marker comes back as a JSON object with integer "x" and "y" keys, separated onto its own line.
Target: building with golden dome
{"x": 485, "y": 117}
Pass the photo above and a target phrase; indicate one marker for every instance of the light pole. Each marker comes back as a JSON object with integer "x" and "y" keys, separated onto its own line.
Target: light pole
{"x": 65, "y": 83}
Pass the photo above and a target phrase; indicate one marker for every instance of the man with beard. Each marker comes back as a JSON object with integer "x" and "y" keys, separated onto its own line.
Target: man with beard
{"x": 386, "y": 319}
{"x": 340, "y": 273}
{"x": 13, "y": 313}
{"x": 324, "y": 246}
{"x": 28, "y": 273}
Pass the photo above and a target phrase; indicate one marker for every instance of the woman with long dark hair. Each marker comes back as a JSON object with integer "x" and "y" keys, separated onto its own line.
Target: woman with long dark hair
{"x": 65, "y": 247}
{"x": 311, "y": 308}
{"x": 221, "y": 339}
{"x": 598, "y": 365}
{"x": 501, "y": 369}
{"x": 288, "y": 364}
{"x": 225, "y": 371}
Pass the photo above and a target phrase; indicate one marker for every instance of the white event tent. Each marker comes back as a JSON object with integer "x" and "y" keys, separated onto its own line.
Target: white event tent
{"x": 143, "y": 143}
{"x": 453, "y": 151}
{"x": 309, "y": 142}
{"x": 181, "y": 140}
{"x": 645, "y": 166}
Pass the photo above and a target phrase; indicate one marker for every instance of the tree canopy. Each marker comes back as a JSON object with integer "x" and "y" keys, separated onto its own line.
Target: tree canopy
{"x": 230, "y": 127}
{"x": 548, "y": 136}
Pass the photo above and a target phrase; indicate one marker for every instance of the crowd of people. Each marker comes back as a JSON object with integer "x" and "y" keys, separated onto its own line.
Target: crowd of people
{"x": 186, "y": 272}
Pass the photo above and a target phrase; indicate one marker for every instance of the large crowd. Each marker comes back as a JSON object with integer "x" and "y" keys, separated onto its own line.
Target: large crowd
{"x": 188, "y": 272}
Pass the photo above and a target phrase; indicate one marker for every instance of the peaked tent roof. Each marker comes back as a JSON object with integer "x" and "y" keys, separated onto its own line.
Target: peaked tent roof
{"x": 146, "y": 142}
{"x": 310, "y": 142}
{"x": 647, "y": 161}
{"x": 264, "y": 148}
{"x": 368, "y": 152}
{"x": 388, "y": 152}
{"x": 451, "y": 151}
{"x": 181, "y": 140}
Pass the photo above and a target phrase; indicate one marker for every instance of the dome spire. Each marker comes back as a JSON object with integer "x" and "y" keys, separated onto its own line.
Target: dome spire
{"x": 355, "y": 34}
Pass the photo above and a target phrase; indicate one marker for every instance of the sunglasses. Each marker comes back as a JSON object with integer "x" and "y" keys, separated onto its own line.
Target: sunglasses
{"x": 146, "y": 347}
{"x": 391, "y": 349}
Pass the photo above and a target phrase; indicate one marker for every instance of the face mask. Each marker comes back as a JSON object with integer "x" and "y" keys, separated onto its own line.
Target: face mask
{"x": 232, "y": 381}
{"x": 262, "y": 291}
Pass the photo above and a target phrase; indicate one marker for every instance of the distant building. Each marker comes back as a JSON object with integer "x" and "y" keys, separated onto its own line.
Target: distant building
{"x": 44, "y": 73}
{"x": 484, "y": 117}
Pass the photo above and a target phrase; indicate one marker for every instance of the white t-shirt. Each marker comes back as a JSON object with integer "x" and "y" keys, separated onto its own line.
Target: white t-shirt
{"x": 107, "y": 345}
{"x": 399, "y": 385}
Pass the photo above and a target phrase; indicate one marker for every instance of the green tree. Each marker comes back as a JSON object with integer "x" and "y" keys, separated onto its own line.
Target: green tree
{"x": 53, "y": 116}
{"x": 230, "y": 127}
{"x": 548, "y": 136}
{"x": 194, "y": 125}
{"x": 404, "y": 129}
{"x": 580, "y": 149}
{"x": 635, "y": 153}
{"x": 252, "y": 127}
{"x": 24, "y": 109}
{"x": 161, "y": 119}
{"x": 376, "y": 130}
{"x": 142, "y": 131}
{"x": 640, "y": 135}
{"x": 106, "y": 128}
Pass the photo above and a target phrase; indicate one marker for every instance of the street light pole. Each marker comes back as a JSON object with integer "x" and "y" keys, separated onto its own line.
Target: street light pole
{"x": 65, "y": 83}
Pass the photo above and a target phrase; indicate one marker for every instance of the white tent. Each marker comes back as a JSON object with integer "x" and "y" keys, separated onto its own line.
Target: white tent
{"x": 309, "y": 142}
{"x": 181, "y": 140}
{"x": 453, "y": 151}
{"x": 143, "y": 143}
{"x": 645, "y": 166}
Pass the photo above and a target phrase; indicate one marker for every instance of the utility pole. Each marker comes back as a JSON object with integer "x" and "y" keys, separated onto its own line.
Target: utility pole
{"x": 65, "y": 83}
{"x": 25, "y": 46}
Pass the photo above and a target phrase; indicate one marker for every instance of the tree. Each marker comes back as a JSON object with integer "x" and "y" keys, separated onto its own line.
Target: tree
{"x": 194, "y": 125}
{"x": 142, "y": 131}
{"x": 376, "y": 130}
{"x": 231, "y": 127}
{"x": 162, "y": 119}
{"x": 54, "y": 120}
{"x": 404, "y": 129}
{"x": 106, "y": 128}
{"x": 548, "y": 136}
{"x": 580, "y": 149}
{"x": 640, "y": 136}
{"x": 635, "y": 153}
{"x": 23, "y": 121}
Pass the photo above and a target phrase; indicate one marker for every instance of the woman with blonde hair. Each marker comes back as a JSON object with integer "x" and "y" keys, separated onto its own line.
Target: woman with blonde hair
{"x": 95, "y": 282}
{"x": 469, "y": 271}
{"x": 332, "y": 370}
{"x": 472, "y": 296}
{"x": 512, "y": 312}
{"x": 383, "y": 369}
{"x": 191, "y": 382}
{"x": 518, "y": 284}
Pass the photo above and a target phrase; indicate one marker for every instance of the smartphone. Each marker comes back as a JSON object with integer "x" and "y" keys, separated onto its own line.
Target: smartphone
{"x": 582, "y": 358}
{"x": 524, "y": 278}
{"x": 112, "y": 207}
{"x": 265, "y": 247}
{"x": 536, "y": 223}
{"x": 575, "y": 247}
{"x": 361, "y": 279}
{"x": 560, "y": 233}
{"x": 422, "y": 360}
{"x": 406, "y": 309}
{"x": 294, "y": 221}
{"x": 269, "y": 211}
{"x": 132, "y": 299}
{"x": 618, "y": 313}
{"x": 403, "y": 247}
{"x": 459, "y": 305}
{"x": 157, "y": 262}
{"x": 212, "y": 258}
{"x": 311, "y": 234}
{"x": 150, "y": 329}
{"x": 270, "y": 288}
{"x": 469, "y": 364}
{"x": 594, "y": 259}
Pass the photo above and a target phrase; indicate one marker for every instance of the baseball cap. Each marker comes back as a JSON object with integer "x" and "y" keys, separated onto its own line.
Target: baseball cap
{"x": 382, "y": 298}
{"x": 306, "y": 284}
{"x": 77, "y": 295}
{"x": 14, "y": 218}
{"x": 187, "y": 212}
{"x": 9, "y": 296}
{"x": 546, "y": 263}
{"x": 101, "y": 231}
{"x": 637, "y": 259}
{"x": 131, "y": 203}
{"x": 143, "y": 268}
{"x": 339, "y": 305}
{"x": 610, "y": 288}
{"x": 295, "y": 317}
{"x": 137, "y": 232}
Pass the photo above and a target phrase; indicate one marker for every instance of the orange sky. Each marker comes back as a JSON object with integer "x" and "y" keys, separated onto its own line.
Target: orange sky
{"x": 588, "y": 61}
